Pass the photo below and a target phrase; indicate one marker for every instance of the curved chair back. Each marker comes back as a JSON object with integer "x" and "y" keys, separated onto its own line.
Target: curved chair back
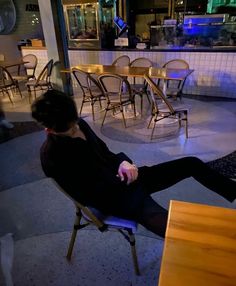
{"x": 121, "y": 61}
{"x": 141, "y": 62}
{"x": 175, "y": 87}
{"x": 90, "y": 87}
{"x": 46, "y": 72}
{"x": 30, "y": 65}
{"x": 118, "y": 93}
{"x": 43, "y": 82}
{"x": 176, "y": 64}
{"x": 93, "y": 216}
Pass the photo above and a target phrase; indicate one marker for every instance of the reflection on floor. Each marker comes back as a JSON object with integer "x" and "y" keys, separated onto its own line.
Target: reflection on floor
{"x": 41, "y": 218}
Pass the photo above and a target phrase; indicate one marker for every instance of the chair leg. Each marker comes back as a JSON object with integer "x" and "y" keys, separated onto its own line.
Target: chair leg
{"x": 18, "y": 88}
{"x": 29, "y": 94}
{"x": 186, "y": 123}
{"x": 154, "y": 125}
{"x": 74, "y": 233}
{"x": 104, "y": 117}
{"x": 82, "y": 104}
{"x": 35, "y": 95}
{"x": 92, "y": 105}
{"x": 141, "y": 104}
{"x": 134, "y": 253}
{"x": 123, "y": 116}
{"x": 9, "y": 96}
{"x": 134, "y": 108}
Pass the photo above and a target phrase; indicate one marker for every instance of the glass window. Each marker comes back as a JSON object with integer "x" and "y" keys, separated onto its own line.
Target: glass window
{"x": 82, "y": 22}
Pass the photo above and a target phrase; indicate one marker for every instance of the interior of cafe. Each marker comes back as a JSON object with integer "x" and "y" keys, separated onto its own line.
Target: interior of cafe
{"x": 153, "y": 79}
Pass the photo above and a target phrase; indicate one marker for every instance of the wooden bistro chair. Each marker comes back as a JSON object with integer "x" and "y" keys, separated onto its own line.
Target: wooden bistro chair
{"x": 90, "y": 87}
{"x": 43, "y": 82}
{"x": 8, "y": 85}
{"x": 121, "y": 61}
{"x": 162, "y": 108}
{"x": 118, "y": 94}
{"x": 85, "y": 216}
{"x": 140, "y": 88}
{"x": 175, "y": 87}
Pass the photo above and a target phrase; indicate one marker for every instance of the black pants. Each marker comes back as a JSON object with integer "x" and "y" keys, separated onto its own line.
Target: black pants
{"x": 162, "y": 176}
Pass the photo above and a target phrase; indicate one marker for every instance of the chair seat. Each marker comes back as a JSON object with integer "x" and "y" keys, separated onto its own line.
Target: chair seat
{"x": 177, "y": 107}
{"x": 22, "y": 77}
{"x": 40, "y": 83}
{"x": 116, "y": 99}
{"x": 112, "y": 221}
{"x": 9, "y": 83}
{"x": 96, "y": 92}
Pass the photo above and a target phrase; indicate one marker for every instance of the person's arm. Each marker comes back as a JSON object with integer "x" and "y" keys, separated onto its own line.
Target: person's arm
{"x": 116, "y": 158}
{"x": 126, "y": 170}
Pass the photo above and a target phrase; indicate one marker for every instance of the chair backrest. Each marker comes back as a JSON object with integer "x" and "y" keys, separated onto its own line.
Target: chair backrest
{"x": 87, "y": 213}
{"x": 5, "y": 77}
{"x": 96, "y": 217}
{"x": 86, "y": 82}
{"x": 121, "y": 61}
{"x": 176, "y": 64}
{"x": 114, "y": 85}
{"x": 157, "y": 93}
{"x": 141, "y": 62}
{"x": 31, "y": 63}
{"x": 46, "y": 72}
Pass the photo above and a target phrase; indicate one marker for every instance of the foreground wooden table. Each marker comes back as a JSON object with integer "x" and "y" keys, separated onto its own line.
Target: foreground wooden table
{"x": 200, "y": 246}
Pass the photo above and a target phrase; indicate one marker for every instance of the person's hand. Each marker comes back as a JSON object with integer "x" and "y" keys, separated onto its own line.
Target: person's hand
{"x": 127, "y": 172}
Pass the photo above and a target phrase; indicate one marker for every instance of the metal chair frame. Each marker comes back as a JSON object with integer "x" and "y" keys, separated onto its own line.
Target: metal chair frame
{"x": 43, "y": 82}
{"x": 176, "y": 64}
{"x": 169, "y": 112}
{"x": 137, "y": 88}
{"x": 122, "y": 61}
{"x": 91, "y": 89}
{"x": 117, "y": 98}
{"x": 103, "y": 223}
{"x": 8, "y": 84}
{"x": 30, "y": 64}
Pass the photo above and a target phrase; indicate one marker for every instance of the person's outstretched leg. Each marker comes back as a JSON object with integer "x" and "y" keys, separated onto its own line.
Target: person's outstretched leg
{"x": 153, "y": 217}
{"x": 164, "y": 175}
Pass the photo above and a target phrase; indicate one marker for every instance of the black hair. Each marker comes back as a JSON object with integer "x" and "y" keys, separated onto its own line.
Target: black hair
{"x": 55, "y": 110}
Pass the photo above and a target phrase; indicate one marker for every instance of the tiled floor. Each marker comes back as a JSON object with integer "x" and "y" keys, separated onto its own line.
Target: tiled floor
{"x": 41, "y": 218}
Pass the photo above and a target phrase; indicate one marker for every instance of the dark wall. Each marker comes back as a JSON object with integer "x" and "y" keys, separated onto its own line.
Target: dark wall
{"x": 198, "y": 6}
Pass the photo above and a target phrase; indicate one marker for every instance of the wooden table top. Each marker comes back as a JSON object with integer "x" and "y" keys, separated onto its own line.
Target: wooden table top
{"x": 200, "y": 246}
{"x": 9, "y": 64}
{"x": 162, "y": 73}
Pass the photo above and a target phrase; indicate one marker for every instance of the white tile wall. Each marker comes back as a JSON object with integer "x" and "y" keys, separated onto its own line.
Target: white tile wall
{"x": 214, "y": 73}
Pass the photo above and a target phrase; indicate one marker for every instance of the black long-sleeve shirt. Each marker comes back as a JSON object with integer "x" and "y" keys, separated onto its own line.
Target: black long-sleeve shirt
{"x": 87, "y": 170}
